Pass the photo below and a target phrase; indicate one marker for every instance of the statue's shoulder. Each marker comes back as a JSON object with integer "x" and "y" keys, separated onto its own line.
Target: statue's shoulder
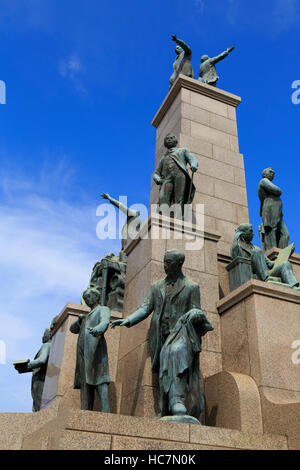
{"x": 158, "y": 284}
{"x": 190, "y": 283}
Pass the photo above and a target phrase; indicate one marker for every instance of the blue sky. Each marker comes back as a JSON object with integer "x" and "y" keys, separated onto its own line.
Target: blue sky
{"x": 84, "y": 80}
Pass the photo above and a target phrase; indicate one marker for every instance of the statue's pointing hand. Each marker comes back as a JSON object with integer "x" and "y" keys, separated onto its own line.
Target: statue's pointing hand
{"x": 230, "y": 49}
{"x": 124, "y": 322}
{"x": 105, "y": 195}
{"x": 174, "y": 38}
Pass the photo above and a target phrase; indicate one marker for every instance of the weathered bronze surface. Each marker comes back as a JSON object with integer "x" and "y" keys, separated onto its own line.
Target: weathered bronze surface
{"x": 176, "y": 330}
{"x": 273, "y": 231}
{"x": 208, "y": 72}
{"x": 92, "y": 372}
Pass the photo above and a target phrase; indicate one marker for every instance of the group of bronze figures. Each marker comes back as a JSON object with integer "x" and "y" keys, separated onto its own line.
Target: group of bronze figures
{"x": 178, "y": 322}
{"x": 182, "y": 65}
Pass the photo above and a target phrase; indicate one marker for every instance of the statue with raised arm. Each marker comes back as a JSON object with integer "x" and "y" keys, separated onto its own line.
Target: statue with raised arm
{"x": 133, "y": 222}
{"x": 92, "y": 371}
{"x": 175, "y": 336}
{"x": 273, "y": 231}
{"x": 182, "y": 62}
{"x": 38, "y": 367}
{"x": 262, "y": 268}
{"x": 176, "y": 185}
{"x": 208, "y": 72}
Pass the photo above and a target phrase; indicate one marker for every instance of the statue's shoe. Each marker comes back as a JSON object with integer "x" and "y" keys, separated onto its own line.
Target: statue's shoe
{"x": 181, "y": 419}
{"x": 178, "y": 409}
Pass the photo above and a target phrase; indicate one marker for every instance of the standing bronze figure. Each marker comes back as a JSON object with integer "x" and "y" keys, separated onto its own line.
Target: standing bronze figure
{"x": 182, "y": 63}
{"x": 38, "y": 367}
{"x": 176, "y": 186}
{"x": 176, "y": 330}
{"x": 273, "y": 231}
{"x": 208, "y": 72}
{"x": 92, "y": 372}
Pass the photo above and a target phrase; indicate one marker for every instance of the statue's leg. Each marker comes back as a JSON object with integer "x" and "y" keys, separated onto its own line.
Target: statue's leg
{"x": 87, "y": 396}
{"x": 259, "y": 265}
{"x": 285, "y": 271}
{"x": 284, "y": 236}
{"x": 103, "y": 395}
{"x": 165, "y": 196}
{"x": 177, "y": 395}
{"x": 179, "y": 192}
{"x": 270, "y": 237}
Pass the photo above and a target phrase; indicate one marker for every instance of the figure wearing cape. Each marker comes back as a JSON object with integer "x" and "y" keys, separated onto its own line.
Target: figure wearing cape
{"x": 179, "y": 358}
{"x": 170, "y": 193}
{"x": 184, "y": 340}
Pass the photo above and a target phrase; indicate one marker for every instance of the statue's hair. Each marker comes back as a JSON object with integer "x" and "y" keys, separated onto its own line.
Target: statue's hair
{"x": 204, "y": 57}
{"x": 179, "y": 254}
{"x": 264, "y": 173}
{"x": 93, "y": 290}
{"x": 48, "y": 333}
{"x": 240, "y": 230}
{"x": 242, "y": 227}
{"x": 170, "y": 134}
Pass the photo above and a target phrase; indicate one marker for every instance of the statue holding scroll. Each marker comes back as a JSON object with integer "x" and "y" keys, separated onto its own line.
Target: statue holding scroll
{"x": 279, "y": 271}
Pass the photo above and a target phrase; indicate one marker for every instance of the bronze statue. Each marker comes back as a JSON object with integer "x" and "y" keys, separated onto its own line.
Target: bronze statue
{"x": 182, "y": 64}
{"x": 176, "y": 329}
{"x": 38, "y": 367}
{"x": 280, "y": 271}
{"x": 133, "y": 222}
{"x": 108, "y": 277}
{"x": 208, "y": 72}
{"x": 176, "y": 185}
{"x": 92, "y": 371}
{"x": 273, "y": 231}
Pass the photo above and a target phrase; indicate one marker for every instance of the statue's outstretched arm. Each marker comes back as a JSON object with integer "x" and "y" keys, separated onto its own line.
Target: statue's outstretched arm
{"x": 182, "y": 44}
{"x": 119, "y": 205}
{"x": 222, "y": 56}
{"x": 140, "y": 314}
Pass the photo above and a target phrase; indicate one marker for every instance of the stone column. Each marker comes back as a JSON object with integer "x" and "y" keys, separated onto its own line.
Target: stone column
{"x": 204, "y": 119}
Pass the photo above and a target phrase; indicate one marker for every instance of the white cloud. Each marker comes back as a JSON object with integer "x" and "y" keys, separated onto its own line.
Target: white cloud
{"x": 72, "y": 69}
{"x": 47, "y": 250}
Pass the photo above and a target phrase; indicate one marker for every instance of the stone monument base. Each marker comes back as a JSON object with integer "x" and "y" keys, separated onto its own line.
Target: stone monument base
{"x": 87, "y": 430}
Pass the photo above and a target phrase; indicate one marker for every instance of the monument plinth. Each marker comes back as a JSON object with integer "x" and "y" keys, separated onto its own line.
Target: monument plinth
{"x": 259, "y": 323}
